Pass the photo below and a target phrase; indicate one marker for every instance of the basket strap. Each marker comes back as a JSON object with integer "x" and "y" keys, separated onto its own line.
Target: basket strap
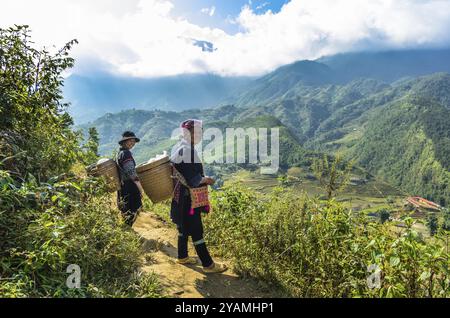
{"x": 119, "y": 168}
{"x": 177, "y": 175}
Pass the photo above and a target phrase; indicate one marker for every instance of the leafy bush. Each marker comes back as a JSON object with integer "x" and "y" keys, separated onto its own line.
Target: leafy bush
{"x": 47, "y": 227}
{"x": 432, "y": 223}
{"x": 313, "y": 249}
{"x": 48, "y": 223}
{"x": 383, "y": 215}
{"x": 35, "y": 129}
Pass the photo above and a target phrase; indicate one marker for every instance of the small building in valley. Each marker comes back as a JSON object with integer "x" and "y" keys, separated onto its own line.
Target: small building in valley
{"x": 421, "y": 206}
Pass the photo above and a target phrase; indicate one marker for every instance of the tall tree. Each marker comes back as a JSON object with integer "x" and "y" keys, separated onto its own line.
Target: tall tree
{"x": 33, "y": 119}
{"x": 432, "y": 223}
{"x": 91, "y": 146}
{"x": 334, "y": 176}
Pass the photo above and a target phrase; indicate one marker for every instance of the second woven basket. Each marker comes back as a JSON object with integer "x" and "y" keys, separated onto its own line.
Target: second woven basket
{"x": 156, "y": 178}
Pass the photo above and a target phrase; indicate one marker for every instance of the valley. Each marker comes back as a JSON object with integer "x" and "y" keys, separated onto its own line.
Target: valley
{"x": 369, "y": 197}
{"x": 398, "y": 132}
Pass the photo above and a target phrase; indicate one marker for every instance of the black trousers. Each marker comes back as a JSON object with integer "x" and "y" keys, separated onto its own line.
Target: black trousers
{"x": 193, "y": 227}
{"x": 129, "y": 201}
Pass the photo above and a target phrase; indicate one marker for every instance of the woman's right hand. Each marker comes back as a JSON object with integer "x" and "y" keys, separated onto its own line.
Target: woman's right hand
{"x": 208, "y": 181}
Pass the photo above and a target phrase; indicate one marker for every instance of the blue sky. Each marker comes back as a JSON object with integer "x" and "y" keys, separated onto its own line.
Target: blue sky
{"x": 153, "y": 38}
{"x": 223, "y": 11}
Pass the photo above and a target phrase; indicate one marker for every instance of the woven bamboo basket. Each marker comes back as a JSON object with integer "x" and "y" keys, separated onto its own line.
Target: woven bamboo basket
{"x": 156, "y": 178}
{"x": 106, "y": 168}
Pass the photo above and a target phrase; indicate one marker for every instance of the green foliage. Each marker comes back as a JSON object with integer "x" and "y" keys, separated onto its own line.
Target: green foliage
{"x": 406, "y": 143}
{"x": 446, "y": 219}
{"x": 290, "y": 151}
{"x": 34, "y": 126}
{"x": 432, "y": 223}
{"x": 384, "y": 215}
{"x": 91, "y": 147}
{"x": 283, "y": 180}
{"x": 49, "y": 217}
{"x": 47, "y": 227}
{"x": 334, "y": 176}
{"x": 313, "y": 250}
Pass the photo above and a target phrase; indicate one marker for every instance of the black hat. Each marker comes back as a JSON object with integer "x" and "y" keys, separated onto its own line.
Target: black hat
{"x": 128, "y": 135}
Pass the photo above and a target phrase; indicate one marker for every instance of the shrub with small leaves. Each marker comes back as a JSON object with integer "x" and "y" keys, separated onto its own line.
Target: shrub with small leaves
{"x": 310, "y": 248}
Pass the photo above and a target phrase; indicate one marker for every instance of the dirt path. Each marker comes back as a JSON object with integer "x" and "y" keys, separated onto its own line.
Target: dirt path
{"x": 188, "y": 281}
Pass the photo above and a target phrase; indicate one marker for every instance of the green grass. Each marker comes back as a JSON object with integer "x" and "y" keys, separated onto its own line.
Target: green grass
{"x": 369, "y": 197}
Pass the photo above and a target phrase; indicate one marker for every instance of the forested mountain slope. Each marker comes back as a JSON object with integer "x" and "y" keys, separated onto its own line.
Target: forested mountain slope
{"x": 408, "y": 144}
{"x": 359, "y": 119}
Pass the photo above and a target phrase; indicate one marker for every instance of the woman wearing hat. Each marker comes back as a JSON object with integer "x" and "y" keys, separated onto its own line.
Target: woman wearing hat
{"x": 130, "y": 194}
{"x": 186, "y": 161}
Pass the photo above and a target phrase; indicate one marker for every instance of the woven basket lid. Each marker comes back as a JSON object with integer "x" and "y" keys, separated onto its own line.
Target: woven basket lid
{"x": 104, "y": 162}
{"x": 152, "y": 163}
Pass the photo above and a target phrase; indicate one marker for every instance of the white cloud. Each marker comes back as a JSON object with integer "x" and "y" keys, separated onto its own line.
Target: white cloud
{"x": 142, "y": 38}
{"x": 261, "y": 6}
{"x": 209, "y": 11}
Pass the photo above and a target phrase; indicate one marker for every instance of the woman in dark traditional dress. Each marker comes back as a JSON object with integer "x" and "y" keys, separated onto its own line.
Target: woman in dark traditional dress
{"x": 130, "y": 194}
{"x": 189, "y": 221}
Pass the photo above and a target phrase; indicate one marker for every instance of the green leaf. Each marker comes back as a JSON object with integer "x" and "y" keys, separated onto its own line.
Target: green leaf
{"x": 394, "y": 261}
{"x": 425, "y": 275}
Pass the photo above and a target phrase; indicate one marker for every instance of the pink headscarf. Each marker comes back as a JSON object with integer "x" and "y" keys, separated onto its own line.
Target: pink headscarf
{"x": 189, "y": 124}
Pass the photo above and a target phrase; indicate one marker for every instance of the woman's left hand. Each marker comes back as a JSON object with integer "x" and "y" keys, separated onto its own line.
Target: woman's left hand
{"x": 141, "y": 189}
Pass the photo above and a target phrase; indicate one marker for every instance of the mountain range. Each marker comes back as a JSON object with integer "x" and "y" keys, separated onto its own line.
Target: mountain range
{"x": 398, "y": 130}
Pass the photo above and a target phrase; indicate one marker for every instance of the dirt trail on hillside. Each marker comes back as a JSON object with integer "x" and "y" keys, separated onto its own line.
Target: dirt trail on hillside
{"x": 160, "y": 241}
